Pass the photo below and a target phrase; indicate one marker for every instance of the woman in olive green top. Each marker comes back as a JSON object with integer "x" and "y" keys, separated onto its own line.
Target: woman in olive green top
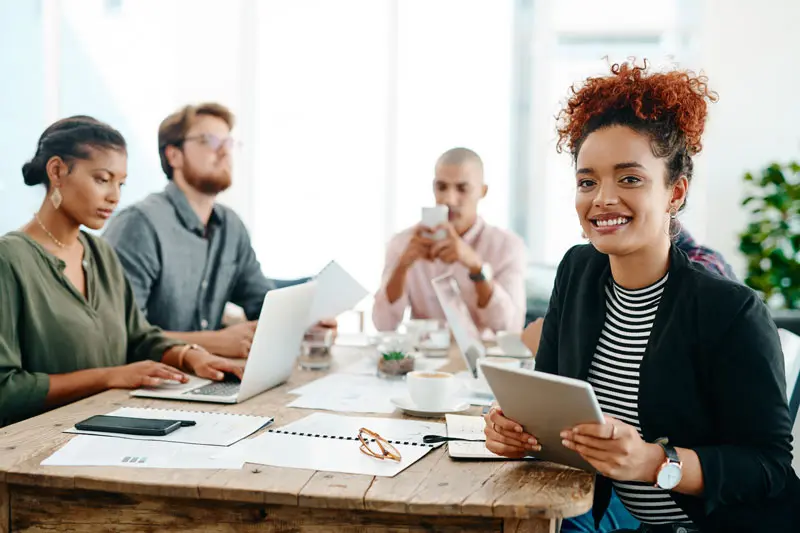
{"x": 69, "y": 325}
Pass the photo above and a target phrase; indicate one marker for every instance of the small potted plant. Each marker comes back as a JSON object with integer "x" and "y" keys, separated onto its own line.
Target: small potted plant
{"x": 395, "y": 364}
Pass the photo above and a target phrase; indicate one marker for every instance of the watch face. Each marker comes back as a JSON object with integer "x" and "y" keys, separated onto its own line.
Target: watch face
{"x": 669, "y": 476}
{"x": 486, "y": 270}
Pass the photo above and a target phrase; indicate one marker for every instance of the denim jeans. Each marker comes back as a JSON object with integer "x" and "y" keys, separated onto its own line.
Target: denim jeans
{"x": 616, "y": 518}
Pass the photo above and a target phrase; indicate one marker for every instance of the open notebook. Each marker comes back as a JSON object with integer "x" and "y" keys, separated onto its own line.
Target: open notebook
{"x": 467, "y": 427}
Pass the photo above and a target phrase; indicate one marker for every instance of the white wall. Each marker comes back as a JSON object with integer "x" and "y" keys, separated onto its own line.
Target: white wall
{"x": 751, "y": 53}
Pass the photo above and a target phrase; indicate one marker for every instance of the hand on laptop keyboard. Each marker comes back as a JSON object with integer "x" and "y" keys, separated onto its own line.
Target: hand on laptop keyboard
{"x": 209, "y": 366}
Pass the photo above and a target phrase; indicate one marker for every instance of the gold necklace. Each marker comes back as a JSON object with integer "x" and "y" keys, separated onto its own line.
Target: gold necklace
{"x": 58, "y": 243}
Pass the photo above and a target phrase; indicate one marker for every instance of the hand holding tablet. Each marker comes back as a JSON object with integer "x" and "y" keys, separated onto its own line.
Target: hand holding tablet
{"x": 535, "y": 408}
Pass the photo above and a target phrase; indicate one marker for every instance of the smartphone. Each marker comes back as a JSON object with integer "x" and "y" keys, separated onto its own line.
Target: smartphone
{"x": 131, "y": 426}
{"x": 434, "y": 216}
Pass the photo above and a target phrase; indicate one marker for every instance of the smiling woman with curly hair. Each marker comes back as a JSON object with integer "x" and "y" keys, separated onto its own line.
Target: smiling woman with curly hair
{"x": 686, "y": 365}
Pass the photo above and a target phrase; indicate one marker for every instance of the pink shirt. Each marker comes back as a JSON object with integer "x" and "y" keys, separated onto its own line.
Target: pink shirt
{"x": 501, "y": 249}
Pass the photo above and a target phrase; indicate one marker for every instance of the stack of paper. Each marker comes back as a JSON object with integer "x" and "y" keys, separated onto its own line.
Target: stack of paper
{"x": 329, "y": 443}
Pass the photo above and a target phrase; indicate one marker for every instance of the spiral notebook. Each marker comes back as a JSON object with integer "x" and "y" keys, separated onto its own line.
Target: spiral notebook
{"x": 212, "y": 429}
{"x": 328, "y": 442}
{"x": 467, "y": 427}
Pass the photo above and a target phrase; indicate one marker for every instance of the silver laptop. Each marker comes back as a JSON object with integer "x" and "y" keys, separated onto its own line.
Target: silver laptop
{"x": 465, "y": 332}
{"x": 283, "y": 320}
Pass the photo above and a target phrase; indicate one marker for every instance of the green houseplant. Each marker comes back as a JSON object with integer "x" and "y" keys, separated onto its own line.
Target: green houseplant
{"x": 771, "y": 241}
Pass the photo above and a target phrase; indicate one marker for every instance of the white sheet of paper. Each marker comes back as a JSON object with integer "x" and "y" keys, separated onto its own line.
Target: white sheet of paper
{"x": 349, "y": 394}
{"x": 467, "y": 427}
{"x": 337, "y": 292}
{"x": 213, "y": 429}
{"x": 329, "y": 443}
{"x": 85, "y": 450}
{"x": 355, "y": 393}
{"x": 335, "y": 383}
{"x": 392, "y": 429}
{"x": 326, "y": 455}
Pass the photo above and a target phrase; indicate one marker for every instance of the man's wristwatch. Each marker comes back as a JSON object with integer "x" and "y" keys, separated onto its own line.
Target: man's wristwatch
{"x": 484, "y": 274}
{"x": 671, "y": 470}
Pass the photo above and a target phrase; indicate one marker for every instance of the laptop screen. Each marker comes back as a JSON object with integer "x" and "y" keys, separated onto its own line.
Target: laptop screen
{"x": 466, "y": 334}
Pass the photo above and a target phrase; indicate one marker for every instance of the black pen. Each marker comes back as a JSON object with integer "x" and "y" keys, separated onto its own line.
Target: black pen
{"x": 187, "y": 423}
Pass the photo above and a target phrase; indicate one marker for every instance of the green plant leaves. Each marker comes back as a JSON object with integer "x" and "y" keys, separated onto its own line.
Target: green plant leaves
{"x": 394, "y": 356}
{"x": 771, "y": 241}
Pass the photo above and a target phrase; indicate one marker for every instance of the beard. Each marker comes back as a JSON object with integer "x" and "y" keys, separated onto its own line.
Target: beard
{"x": 213, "y": 182}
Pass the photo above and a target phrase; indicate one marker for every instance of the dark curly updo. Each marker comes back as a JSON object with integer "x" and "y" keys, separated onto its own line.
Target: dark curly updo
{"x": 70, "y": 139}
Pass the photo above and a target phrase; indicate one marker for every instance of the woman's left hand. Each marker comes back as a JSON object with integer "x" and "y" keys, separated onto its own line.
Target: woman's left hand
{"x": 616, "y": 450}
{"x": 207, "y": 365}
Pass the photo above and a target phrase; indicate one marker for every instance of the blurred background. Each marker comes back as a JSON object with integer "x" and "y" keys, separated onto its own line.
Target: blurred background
{"x": 344, "y": 105}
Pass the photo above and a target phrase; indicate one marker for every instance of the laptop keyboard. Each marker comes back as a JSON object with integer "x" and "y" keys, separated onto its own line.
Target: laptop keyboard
{"x": 218, "y": 388}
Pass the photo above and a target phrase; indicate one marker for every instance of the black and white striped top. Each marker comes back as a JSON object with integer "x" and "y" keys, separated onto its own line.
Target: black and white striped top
{"x": 614, "y": 374}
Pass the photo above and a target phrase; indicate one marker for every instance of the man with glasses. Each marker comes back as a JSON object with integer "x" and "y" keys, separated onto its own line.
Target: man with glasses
{"x": 185, "y": 255}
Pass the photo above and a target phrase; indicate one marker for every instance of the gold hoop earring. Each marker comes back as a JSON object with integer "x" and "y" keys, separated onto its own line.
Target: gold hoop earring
{"x": 56, "y": 198}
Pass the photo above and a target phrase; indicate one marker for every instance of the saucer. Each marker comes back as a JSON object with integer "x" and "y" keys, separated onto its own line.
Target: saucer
{"x": 435, "y": 353}
{"x": 434, "y": 349}
{"x": 405, "y": 403}
{"x": 477, "y": 388}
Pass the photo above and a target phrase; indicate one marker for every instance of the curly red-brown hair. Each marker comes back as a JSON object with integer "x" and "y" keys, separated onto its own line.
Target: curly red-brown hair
{"x": 669, "y": 106}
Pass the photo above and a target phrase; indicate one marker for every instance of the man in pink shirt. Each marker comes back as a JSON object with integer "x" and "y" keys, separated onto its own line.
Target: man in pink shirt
{"x": 488, "y": 262}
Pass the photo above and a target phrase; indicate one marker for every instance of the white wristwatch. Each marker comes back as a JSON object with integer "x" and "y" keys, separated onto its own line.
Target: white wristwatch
{"x": 670, "y": 472}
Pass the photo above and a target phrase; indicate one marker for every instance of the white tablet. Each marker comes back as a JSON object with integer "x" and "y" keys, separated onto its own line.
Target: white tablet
{"x": 545, "y": 405}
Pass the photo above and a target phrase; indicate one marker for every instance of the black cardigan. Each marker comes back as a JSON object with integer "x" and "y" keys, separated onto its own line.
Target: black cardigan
{"x": 711, "y": 379}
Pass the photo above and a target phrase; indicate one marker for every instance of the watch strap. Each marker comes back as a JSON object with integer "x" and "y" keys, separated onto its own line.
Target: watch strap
{"x": 670, "y": 451}
{"x": 480, "y": 276}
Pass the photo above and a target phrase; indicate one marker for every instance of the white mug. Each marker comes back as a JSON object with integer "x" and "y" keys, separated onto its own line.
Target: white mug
{"x": 510, "y": 342}
{"x": 481, "y": 385}
{"x": 438, "y": 340}
{"x": 432, "y": 390}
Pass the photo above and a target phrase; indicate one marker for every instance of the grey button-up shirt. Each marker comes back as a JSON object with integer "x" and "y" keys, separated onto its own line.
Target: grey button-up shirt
{"x": 182, "y": 272}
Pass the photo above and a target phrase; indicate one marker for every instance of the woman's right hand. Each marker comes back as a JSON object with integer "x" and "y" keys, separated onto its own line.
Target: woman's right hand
{"x": 506, "y": 437}
{"x": 142, "y": 374}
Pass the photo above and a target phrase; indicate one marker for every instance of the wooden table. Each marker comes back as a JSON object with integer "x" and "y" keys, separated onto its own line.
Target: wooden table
{"x": 434, "y": 494}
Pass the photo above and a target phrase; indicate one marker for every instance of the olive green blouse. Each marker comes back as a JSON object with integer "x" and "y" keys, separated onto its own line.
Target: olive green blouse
{"x": 48, "y": 327}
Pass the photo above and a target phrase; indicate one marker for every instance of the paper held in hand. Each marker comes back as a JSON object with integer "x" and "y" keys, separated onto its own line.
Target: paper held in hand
{"x": 337, "y": 292}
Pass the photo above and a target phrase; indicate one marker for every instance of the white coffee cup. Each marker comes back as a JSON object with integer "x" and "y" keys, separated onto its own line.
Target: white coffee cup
{"x": 510, "y": 342}
{"x": 438, "y": 340}
{"x": 481, "y": 385}
{"x": 432, "y": 390}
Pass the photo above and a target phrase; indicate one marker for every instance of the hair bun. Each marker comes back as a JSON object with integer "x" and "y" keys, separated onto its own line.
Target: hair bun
{"x": 31, "y": 174}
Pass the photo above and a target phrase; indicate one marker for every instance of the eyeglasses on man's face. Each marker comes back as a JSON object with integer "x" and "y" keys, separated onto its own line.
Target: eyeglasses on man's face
{"x": 213, "y": 142}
